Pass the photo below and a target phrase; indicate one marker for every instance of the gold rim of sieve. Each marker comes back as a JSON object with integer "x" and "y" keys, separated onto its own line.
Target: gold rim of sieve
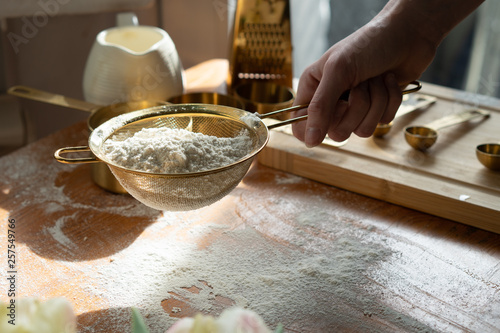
{"x": 179, "y": 191}
{"x": 114, "y": 125}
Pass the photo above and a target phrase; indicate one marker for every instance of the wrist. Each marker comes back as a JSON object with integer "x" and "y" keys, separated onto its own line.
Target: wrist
{"x": 429, "y": 20}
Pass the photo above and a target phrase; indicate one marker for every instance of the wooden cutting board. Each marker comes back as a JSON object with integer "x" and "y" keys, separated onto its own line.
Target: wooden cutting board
{"x": 446, "y": 181}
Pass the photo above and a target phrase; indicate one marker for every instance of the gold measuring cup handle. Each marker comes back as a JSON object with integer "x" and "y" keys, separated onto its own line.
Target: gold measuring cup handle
{"x": 55, "y": 99}
{"x": 458, "y": 118}
{"x": 61, "y": 159}
{"x": 417, "y": 87}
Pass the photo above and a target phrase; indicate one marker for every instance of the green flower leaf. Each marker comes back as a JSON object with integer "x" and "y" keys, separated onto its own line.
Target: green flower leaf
{"x": 138, "y": 325}
{"x": 279, "y": 329}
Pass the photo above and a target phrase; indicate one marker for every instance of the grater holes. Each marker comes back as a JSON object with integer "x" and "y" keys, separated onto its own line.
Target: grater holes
{"x": 262, "y": 51}
{"x": 261, "y": 76}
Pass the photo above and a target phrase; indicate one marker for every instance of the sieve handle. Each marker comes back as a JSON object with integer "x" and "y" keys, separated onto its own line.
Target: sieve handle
{"x": 61, "y": 159}
{"x": 417, "y": 86}
{"x": 288, "y": 121}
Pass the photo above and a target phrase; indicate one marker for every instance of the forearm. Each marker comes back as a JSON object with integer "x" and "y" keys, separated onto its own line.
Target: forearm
{"x": 433, "y": 19}
{"x": 406, "y": 34}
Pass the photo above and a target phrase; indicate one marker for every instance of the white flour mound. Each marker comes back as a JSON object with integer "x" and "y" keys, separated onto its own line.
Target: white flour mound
{"x": 167, "y": 150}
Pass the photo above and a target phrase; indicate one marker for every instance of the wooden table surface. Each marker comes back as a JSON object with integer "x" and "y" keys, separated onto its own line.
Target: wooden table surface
{"x": 310, "y": 256}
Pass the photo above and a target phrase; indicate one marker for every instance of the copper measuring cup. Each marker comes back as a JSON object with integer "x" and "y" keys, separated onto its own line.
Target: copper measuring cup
{"x": 263, "y": 97}
{"x": 207, "y": 98}
{"x": 424, "y": 137}
{"x": 100, "y": 174}
{"x": 489, "y": 155}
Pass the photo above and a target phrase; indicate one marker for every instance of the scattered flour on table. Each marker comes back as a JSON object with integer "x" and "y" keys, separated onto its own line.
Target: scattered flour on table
{"x": 167, "y": 150}
{"x": 288, "y": 179}
{"x": 49, "y": 193}
{"x": 289, "y": 283}
{"x": 57, "y": 233}
{"x": 300, "y": 281}
{"x": 24, "y": 189}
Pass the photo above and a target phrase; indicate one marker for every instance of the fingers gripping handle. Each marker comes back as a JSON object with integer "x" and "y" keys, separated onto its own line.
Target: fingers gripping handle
{"x": 345, "y": 96}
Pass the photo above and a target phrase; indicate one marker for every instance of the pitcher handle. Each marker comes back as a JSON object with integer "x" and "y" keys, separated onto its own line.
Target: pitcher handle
{"x": 126, "y": 19}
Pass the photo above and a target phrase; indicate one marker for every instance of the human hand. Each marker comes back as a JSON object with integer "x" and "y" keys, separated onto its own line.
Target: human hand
{"x": 375, "y": 63}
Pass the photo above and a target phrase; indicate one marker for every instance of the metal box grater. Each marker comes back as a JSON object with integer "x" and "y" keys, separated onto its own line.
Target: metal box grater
{"x": 261, "y": 43}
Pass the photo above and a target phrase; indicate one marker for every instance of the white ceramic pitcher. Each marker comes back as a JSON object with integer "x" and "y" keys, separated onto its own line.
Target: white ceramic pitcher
{"x": 131, "y": 62}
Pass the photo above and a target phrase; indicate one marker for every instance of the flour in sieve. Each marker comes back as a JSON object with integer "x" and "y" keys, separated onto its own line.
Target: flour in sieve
{"x": 167, "y": 150}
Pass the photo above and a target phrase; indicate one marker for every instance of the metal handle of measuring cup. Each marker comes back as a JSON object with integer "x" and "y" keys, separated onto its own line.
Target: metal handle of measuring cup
{"x": 418, "y": 86}
{"x": 457, "y": 118}
{"x": 61, "y": 159}
{"x": 345, "y": 96}
{"x": 50, "y": 98}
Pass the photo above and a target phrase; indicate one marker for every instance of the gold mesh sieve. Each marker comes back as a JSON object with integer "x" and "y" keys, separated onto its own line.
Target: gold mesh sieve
{"x": 186, "y": 191}
{"x": 183, "y": 191}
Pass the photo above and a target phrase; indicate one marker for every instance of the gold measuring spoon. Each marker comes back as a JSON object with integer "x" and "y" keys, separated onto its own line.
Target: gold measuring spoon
{"x": 409, "y": 105}
{"x": 423, "y": 137}
{"x": 489, "y": 155}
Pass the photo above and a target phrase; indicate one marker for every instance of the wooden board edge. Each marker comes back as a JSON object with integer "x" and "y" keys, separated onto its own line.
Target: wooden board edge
{"x": 356, "y": 180}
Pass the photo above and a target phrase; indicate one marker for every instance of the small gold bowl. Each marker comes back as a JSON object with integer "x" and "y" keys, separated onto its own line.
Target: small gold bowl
{"x": 264, "y": 97}
{"x": 382, "y": 129}
{"x": 420, "y": 137}
{"x": 207, "y": 98}
{"x": 489, "y": 155}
